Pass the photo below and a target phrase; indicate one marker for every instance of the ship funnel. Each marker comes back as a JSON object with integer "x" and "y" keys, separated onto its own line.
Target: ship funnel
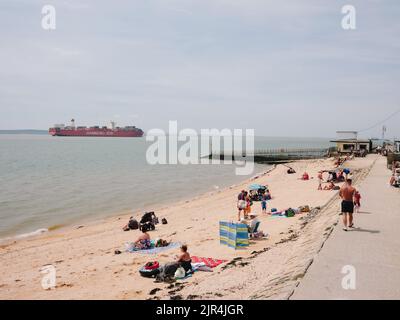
{"x": 112, "y": 125}
{"x": 73, "y": 123}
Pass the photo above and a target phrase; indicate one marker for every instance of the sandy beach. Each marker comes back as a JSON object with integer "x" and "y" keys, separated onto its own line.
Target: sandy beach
{"x": 87, "y": 267}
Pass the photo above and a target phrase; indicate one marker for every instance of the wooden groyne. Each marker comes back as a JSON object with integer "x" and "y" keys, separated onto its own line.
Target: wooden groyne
{"x": 279, "y": 155}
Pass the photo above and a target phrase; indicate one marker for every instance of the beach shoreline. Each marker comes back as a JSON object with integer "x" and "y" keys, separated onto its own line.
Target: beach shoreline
{"x": 87, "y": 221}
{"x": 88, "y": 268}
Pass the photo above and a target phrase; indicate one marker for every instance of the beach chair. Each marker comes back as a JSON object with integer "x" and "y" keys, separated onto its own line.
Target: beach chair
{"x": 255, "y": 229}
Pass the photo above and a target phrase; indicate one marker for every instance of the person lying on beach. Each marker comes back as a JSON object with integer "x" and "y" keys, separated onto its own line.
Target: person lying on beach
{"x": 184, "y": 259}
{"x": 330, "y": 186}
{"x": 161, "y": 243}
{"x": 305, "y": 176}
{"x": 143, "y": 241}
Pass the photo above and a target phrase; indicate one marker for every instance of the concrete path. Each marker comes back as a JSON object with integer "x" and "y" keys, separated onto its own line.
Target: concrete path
{"x": 371, "y": 252}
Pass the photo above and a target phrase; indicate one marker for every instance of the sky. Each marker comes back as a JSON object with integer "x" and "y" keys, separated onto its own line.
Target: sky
{"x": 282, "y": 68}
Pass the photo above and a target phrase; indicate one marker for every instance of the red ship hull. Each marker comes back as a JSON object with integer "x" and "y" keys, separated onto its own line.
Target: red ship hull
{"x": 91, "y": 132}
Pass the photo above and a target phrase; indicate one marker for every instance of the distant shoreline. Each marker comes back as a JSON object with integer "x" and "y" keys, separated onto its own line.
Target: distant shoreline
{"x": 24, "y": 131}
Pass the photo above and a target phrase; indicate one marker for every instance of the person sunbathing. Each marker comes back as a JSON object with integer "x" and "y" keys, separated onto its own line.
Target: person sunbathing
{"x": 184, "y": 260}
{"x": 143, "y": 241}
{"x": 331, "y": 186}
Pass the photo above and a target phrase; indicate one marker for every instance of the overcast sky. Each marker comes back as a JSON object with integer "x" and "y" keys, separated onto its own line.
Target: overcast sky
{"x": 284, "y": 68}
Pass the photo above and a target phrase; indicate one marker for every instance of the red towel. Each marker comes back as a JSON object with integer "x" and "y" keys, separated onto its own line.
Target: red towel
{"x": 209, "y": 262}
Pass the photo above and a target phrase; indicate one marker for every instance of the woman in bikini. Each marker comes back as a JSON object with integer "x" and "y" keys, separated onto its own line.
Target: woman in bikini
{"x": 184, "y": 260}
{"x": 143, "y": 242}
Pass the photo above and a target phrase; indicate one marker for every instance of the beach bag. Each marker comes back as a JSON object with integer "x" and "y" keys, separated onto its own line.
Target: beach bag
{"x": 152, "y": 265}
{"x": 164, "y": 221}
{"x": 274, "y": 210}
{"x": 180, "y": 273}
{"x": 290, "y": 213}
{"x": 161, "y": 243}
{"x": 150, "y": 226}
{"x": 133, "y": 224}
{"x": 150, "y": 269}
{"x": 148, "y": 217}
{"x": 305, "y": 208}
{"x": 234, "y": 235}
{"x": 241, "y": 204}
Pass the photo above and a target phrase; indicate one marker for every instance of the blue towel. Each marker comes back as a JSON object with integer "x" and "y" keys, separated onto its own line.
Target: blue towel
{"x": 156, "y": 250}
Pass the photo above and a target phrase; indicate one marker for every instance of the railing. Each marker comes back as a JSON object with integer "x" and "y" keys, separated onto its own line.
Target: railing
{"x": 277, "y": 154}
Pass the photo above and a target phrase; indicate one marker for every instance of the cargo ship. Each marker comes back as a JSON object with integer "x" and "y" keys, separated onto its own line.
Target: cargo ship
{"x": 96, "y": 131}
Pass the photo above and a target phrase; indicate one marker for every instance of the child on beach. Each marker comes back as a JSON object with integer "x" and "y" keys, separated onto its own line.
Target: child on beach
{"x": 249, "y": 203}
{"x": 264, "y": 203}
{"x": 357, "y": 202}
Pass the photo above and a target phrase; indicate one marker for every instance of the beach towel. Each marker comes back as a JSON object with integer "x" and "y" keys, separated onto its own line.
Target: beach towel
{"x": 153, "y": 250}
{"x": 201, "y": 266}
{"x": 234, "y": 235}
{"x": 208, "y": 262}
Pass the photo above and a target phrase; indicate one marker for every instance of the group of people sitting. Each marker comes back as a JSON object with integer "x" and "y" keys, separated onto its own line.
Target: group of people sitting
{"x": 334, "y": 176}
{"x": 183, "y": 259}
{"x": 169, "y": 270}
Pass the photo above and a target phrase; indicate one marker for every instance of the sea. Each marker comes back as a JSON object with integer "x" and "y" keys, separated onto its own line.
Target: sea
{"x": 47, "y": 182}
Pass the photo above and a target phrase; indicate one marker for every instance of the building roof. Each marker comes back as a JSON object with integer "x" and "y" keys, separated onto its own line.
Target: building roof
{"x": 351, "y": 141}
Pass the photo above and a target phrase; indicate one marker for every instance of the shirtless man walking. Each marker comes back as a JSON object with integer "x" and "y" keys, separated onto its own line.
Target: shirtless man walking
{"x": 347, "y": 194}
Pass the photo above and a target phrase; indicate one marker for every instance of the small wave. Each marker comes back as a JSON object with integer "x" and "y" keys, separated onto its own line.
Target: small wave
{"x": 26, "y": 235}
